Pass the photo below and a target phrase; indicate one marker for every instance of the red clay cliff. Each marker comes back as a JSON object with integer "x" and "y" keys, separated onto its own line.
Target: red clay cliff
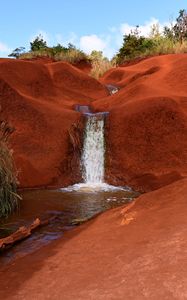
{"x": 146, "y": 132}
{"x": 148, "y": 122}
{"x": 38, "y": 100}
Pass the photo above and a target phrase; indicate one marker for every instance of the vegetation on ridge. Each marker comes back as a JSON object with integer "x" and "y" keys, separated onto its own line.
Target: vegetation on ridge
{"x": 39, "y": 48}
{"x": 173, "y": 39}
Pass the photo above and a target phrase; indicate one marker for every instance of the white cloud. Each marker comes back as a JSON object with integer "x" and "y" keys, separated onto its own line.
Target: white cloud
{"x": 4, "y": 48}
{"x": 92, "y": 42}
{"x": 144, "y": 29}
{"x": 103, "y": 43}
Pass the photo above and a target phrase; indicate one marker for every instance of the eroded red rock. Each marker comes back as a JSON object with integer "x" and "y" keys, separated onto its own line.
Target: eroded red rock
{"x": 146, "y": 136}
{"x": 147, "y": 123}
{"x": 38, "y": 100}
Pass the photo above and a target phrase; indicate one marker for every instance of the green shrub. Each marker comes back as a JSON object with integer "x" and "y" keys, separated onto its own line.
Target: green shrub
{"x": 38, "y": 43}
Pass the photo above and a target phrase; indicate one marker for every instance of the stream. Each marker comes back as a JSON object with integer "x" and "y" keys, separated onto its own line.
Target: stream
{"x": 69, "y": 207}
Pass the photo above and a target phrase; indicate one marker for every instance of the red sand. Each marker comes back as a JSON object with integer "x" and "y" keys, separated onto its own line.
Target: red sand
{"x": 138, "y": 252}
{"x": 38, "y": 100}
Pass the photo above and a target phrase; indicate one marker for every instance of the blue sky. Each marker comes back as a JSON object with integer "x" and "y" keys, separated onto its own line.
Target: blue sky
{"x": 96, "y": 24}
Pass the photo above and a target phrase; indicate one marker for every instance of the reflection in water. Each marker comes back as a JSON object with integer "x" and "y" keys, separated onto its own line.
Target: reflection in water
{"x": 65, "y": 206}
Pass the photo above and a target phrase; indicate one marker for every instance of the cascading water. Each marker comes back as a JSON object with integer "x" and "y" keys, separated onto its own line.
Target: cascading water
{"x": 93, "y": 154}
{"x": 93, "y": 150}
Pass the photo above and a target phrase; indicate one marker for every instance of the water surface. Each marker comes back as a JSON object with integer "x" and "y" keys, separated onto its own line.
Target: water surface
{"x": 67, "y": 206}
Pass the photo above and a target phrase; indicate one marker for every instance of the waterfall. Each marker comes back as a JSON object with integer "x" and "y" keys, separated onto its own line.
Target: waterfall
{"x": 93, "y": 154}
{"x": 93, "y": 150}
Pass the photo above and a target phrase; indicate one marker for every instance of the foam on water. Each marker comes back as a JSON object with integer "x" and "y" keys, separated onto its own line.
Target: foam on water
{"x": 90, "y": 188}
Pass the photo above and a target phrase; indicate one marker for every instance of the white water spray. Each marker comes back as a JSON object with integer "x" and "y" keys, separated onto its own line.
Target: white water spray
{"x": 93, "y": 150}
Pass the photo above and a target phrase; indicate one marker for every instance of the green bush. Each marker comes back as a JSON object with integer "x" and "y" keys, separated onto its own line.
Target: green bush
{"x": 134, "y": 46}
{"x": 38, "y": 43}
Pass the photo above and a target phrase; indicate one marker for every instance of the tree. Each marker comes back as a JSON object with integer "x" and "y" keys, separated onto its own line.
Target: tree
{"x": 38, "y": 43}
{"x": 17, "y": 52}
{"x": 71, "y": 46}
{"x": 134, "y": 45}
{"x": 177, "y": 32}
{"x": 169, "y": 32}
{"x": 180, "y": 28}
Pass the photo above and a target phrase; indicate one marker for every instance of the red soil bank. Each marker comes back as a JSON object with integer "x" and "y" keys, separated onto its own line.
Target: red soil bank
{"x": 137, "y": 252}
{"x": 38, "y": 100}
{"x": 147, "y": 134}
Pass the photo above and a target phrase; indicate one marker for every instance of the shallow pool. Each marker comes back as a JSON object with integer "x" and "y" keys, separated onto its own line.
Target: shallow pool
{"x": 69, "y": 207}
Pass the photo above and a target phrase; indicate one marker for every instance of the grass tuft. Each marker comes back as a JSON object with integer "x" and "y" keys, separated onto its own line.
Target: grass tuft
{"x": 8, "y": 182}
{"x": 99, "y": 67}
